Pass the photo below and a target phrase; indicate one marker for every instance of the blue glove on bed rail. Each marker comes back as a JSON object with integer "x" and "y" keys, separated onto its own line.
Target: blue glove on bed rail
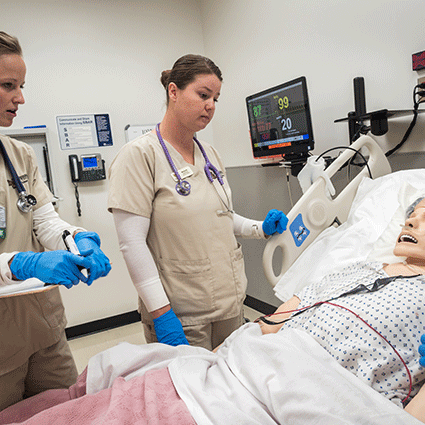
{"x": 169, "y": 330}
{"x": 275, "y": 221}
{"x": 422, "y": 351}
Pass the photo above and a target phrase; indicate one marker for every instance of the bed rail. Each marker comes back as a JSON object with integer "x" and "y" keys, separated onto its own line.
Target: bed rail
{"x": 315, "y": 211}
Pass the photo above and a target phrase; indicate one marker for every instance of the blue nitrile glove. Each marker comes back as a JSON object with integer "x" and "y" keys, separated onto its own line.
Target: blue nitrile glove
{"x": 422, "y": 351}
{"x": 169, "y": 330}
{"x": 56, "y": 267}
{"x": 88, "y": 244}
{"x": 275, "y": 221}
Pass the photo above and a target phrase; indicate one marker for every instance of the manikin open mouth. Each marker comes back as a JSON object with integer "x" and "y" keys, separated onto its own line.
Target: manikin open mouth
{"x": 407, "y": 238}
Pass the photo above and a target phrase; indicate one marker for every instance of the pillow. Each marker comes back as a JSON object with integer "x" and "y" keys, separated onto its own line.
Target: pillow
{"x": 373, "y": 224}
{"x": 382, "y": 249}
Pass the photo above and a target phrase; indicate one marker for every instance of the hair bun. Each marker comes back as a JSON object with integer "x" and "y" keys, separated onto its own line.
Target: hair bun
{"x": 165, "y": 77}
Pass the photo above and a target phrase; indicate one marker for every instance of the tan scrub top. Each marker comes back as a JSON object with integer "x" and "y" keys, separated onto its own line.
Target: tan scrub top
{"x": 28, "y": 322}
{"x": 199, "y": 260}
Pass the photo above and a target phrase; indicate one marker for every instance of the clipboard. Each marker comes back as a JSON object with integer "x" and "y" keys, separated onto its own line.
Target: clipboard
{"x": 29, "y": 286}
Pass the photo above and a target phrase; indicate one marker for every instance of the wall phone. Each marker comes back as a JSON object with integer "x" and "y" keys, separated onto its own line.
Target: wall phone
{"x": 91, "y": 167}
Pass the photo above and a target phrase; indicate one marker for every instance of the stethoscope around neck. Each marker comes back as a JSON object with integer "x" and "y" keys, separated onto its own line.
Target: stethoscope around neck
{"x": 25, "y": 201}
{"x": 183, "y": 187}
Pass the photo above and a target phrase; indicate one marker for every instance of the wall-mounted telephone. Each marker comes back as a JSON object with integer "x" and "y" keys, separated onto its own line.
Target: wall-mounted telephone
{"x": 91, "y": 167}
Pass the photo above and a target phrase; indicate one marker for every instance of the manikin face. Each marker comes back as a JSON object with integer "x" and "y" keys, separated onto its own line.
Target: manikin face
{"x": 411, "y": 241}
{"x": 12, "y": 79}
{"x": 194, "y": 106}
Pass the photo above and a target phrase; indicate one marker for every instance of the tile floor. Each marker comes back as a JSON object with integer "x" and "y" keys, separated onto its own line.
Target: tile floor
{"x": 87, "y": 346}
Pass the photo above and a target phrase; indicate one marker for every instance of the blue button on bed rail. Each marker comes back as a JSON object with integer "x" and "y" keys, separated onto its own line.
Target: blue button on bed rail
{"x": 298, "y": 230}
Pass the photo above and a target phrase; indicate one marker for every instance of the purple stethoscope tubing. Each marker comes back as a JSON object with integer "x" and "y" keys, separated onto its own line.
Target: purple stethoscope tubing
{"x": 183, "y": 186}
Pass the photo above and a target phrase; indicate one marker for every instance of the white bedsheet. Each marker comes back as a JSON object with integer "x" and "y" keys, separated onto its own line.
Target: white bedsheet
{"x": 283, "y": 378}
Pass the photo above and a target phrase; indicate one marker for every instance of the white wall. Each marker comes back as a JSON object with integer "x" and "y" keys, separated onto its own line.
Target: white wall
{"x": 98, "y": 57}
{"x": 260, "y": 44}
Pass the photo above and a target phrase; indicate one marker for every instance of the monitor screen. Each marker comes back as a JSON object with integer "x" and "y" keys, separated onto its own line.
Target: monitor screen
{"x": 280, "y": 121}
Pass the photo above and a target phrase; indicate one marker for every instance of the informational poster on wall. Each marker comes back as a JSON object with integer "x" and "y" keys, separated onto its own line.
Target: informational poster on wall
{"x": 84, "y": 131}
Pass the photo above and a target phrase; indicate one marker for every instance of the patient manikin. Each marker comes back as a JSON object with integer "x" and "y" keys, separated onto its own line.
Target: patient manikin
{"x": 395, "y": 310}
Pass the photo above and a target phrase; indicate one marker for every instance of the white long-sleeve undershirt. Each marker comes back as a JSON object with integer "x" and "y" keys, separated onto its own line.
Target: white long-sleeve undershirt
{"x": 48, "y": 228}
{"x": 140, "y": 263}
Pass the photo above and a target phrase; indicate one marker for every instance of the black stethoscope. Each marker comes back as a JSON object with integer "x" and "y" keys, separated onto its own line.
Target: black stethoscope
{"x": 183, "y": 186}
{"x": 25, "y": 201}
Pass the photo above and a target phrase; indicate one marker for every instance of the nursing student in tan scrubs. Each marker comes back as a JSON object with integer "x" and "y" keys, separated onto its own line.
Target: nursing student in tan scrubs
{"x": 173, "y": 213}
{"x": 34, "y": 352}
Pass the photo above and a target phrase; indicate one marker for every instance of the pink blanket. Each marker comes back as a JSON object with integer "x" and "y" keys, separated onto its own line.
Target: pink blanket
{"x": 149, "y": 399}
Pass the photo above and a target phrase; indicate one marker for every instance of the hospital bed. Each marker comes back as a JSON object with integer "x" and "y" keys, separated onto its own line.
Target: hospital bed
{"x": 361, "y": 223}
{"x": 282, "y": 378}
{"x": 317, "y": 210}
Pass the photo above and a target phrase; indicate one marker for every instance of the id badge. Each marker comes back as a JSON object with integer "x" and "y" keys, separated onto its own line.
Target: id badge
{"x": 2, "y": 222}
{"x": 184, "y": 173}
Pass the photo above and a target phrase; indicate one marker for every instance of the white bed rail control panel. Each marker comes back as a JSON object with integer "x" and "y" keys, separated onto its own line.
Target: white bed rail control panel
{"x": 315, "y": 211}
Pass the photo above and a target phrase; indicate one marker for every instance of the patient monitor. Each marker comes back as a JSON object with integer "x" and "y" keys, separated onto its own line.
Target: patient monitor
{"x": 280, "y": 124}
{"x": 316, "y": 210}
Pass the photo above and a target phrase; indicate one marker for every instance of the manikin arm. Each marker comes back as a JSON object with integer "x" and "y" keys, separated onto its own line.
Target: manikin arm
{"x": 247, "y": 228}
{"x": 275, "y": 222}
{"x": 416, "y": 406}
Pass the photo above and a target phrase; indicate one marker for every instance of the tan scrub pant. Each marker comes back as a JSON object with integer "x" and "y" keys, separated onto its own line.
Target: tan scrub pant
{"x": 50, "y": 368}
{"x": 208, "y": 335}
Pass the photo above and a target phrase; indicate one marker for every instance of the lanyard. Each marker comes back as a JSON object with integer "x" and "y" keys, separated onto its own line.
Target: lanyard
{"x": 25, "y": 202}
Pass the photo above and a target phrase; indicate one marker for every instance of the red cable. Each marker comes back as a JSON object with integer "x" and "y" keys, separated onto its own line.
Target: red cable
{"x": 367, "y": 324}
{"x": 386, "y": 340}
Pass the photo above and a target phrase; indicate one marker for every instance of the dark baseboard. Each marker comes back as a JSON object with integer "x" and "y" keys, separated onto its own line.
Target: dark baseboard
{"x": 133, "y": 316}
{"x": 103, "y": 324}
{"x": 259, "y": 305}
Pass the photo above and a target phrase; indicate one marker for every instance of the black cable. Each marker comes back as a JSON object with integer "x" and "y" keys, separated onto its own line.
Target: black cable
{"x": 355, "y": 150}
{"x": 413, "y": 122}
{"x": 77, "y": 197}
{"x": 376, "y": 286}
{"x": 406, "y": 135}
{"x": 363, "y": 129}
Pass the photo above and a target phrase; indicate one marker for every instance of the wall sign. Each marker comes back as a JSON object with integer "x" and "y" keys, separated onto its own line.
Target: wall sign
{"x": 134, "y": 131}
{"x": 84, "y": 131}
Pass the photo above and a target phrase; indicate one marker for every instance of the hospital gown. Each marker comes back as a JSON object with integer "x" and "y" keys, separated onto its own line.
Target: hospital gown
{"x": 396, "y": 311}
